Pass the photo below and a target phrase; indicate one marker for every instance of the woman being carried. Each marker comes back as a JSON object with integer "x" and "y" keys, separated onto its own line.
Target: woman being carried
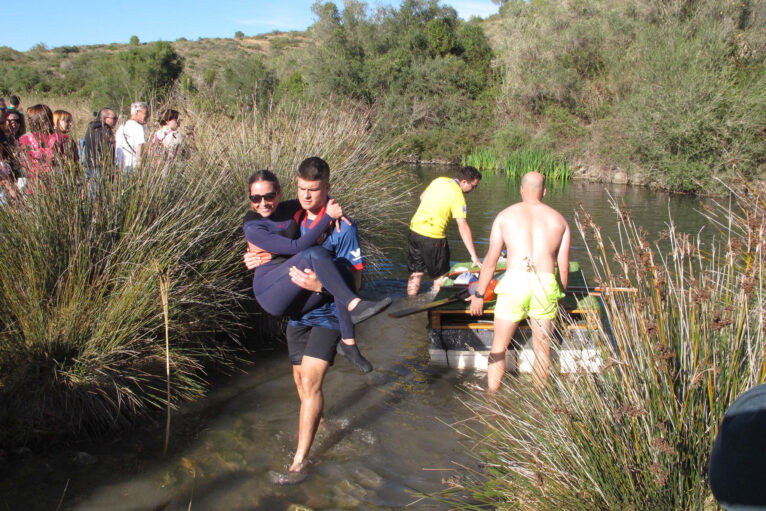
{"x": 270, "y": 227}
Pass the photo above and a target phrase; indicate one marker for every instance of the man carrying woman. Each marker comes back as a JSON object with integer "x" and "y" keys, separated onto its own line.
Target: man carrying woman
{"x": 314, "y": 337}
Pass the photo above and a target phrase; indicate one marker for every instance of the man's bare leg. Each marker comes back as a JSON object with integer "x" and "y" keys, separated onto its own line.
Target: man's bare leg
{"x": 541, "y": 335}
{"x": 297, "y": 380}
{"x": 311, "y": 375}
{"x": 413, "y": 283}
{"x": 504, "y": 330}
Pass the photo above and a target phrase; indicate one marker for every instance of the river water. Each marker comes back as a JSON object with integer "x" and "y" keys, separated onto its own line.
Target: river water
{"x": 387, "y": 438}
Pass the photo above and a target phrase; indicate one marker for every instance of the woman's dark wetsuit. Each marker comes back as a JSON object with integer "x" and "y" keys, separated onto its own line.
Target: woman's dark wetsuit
{"x": 273, "y": 289}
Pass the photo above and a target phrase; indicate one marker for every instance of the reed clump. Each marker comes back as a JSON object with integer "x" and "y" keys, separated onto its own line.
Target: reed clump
{"x": 518, "y": 162}
{"x": 82, "y": 328}
{"x": 484, "y": 159}
{"x": 521, "y": 161}
{"x": 637, "y": 434}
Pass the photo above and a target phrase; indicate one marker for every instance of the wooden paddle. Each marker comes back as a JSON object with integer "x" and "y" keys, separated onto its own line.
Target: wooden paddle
{"x": 460, "y": 295}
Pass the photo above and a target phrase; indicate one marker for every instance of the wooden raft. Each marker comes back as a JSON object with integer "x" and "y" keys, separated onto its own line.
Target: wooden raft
{"x": 461, "y": 341}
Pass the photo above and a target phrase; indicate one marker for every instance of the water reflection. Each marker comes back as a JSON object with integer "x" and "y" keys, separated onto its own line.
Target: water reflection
{"x": 650, "y": 209}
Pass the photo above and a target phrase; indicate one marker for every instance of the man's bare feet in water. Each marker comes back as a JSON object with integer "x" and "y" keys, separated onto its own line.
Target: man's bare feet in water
{"x": 296, "y": 474}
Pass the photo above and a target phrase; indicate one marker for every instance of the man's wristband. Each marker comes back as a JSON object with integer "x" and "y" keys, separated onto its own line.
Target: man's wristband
{"x": 479, "y": 295}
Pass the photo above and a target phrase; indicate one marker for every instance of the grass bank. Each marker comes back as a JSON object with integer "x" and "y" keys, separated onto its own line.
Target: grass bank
{"x": 82, "y": 333}
{"x": 638, "y": 433}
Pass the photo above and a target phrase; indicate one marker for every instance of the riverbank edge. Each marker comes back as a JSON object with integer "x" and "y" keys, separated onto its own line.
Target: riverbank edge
{"x": 588, "y": 172}
{"x": 593, "y": 173}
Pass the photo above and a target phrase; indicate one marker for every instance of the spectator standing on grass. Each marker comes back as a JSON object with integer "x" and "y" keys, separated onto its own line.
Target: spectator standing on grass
{"x": 39, "y": 144}
{"x": 7, "y": 180}
{"x": 3, "y": 106}
{"x": 62, "y": 126}
{"x": 13, "y": 127}
{"x": 131, "y": 137}
{"x": 167, "y": 140}
{"x": 98, "y": 144}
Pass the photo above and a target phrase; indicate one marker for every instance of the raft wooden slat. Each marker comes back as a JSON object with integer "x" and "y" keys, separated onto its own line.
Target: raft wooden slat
{"x": 490, "y": 326}
{"x": 492, "y": 311}
{"x": 517, "y": 361}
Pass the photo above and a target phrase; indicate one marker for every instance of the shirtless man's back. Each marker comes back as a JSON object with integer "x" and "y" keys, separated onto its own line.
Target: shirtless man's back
{"x": 537, "y": 240}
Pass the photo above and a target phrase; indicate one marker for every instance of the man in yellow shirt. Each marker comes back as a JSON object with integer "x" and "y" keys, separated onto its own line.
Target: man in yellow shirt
{"x": 428, "y": 251}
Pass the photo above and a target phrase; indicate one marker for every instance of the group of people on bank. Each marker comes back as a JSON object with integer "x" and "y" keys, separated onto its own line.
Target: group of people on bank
{"x": 307, "y": 263}
{"x": 39, "y": 139}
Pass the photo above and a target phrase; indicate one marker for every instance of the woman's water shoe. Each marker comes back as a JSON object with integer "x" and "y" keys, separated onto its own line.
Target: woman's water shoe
{"x": 366, "y": 309}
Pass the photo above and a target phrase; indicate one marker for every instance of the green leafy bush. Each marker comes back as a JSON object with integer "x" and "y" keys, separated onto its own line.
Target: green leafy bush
{"x": 135, "y": 74}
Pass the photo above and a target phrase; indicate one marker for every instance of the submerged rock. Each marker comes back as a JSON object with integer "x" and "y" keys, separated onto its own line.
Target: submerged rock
{"x": 348, "y": 494}
{"x": 368, "y": 478}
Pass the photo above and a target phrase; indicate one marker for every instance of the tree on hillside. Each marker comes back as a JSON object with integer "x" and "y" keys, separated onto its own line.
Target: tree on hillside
{"x": 138, "y": 73}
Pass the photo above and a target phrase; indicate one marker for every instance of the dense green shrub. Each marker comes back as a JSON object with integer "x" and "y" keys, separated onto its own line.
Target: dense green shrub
{"x": 135, "y": 74}
{"x": 671, "y": 91}
{"x": 246, "y": 83}
{"x": 8, "y": 54}
{"x": 425, "y": 67}
{"x": 19, "y": 77}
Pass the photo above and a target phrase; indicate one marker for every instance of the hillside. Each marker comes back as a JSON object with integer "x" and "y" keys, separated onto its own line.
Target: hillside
{"x": 44, "y": 68}
{"x": 663, "y": 94}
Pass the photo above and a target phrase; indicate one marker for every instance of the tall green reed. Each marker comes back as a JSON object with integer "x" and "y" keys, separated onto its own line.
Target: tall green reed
{"x": 519, "y": 162}
{"x": 637, "y": 434}
{"x": 82, "y": 333}
{"x": 485, "y": 159}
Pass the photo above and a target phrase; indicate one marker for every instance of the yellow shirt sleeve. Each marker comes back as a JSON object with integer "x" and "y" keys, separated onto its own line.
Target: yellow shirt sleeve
{"x": 458, "y": 203}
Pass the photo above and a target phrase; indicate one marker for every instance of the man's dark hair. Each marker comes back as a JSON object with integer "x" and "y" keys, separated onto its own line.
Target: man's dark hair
{"x": 314, "y": 169}
{"x": 14, "y": 101}
{"x": 468, "y": 174}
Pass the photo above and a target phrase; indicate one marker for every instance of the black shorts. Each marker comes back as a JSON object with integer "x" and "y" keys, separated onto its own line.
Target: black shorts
{"x": 316, "y": 341}
{"x": 427, "y": 255}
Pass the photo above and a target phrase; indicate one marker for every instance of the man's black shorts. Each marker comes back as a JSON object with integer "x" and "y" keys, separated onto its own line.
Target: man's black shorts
{"x": 427, "y": 255}
{"x": 316, "y": 341}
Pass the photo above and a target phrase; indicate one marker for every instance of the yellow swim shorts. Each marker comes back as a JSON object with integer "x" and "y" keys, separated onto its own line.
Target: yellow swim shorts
{"x": 521, "y": 294}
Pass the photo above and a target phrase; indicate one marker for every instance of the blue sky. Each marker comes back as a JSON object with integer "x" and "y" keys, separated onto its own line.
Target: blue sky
{"x": 78, "y": 22}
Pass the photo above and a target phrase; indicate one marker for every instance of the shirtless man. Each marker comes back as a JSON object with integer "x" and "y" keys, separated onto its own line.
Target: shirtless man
{"x": 537, "y": 240}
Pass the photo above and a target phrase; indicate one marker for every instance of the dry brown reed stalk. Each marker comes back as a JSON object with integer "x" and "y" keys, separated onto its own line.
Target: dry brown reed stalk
{"x": 676, "y": 353}
{"x": 163, "y": 282}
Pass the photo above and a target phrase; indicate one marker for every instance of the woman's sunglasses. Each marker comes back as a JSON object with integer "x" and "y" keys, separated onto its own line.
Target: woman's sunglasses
{"x": 256, "y": 199}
